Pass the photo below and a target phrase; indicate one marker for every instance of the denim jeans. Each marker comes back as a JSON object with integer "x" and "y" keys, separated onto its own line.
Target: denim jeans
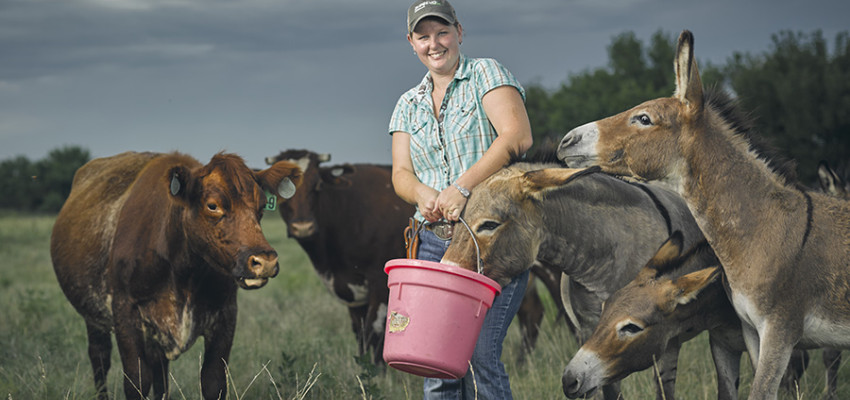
{"x": 487, "y": 379}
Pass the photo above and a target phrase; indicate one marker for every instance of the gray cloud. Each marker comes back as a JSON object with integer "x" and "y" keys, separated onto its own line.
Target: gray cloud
{"x": 258, "y": 76}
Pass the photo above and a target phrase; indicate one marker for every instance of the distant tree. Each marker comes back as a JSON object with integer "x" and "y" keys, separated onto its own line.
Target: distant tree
{"x": 16, "y": 183}
{"x": 800, "y": 96}
{"x": 41, "y": 186}
{"x": 635, "y": 73}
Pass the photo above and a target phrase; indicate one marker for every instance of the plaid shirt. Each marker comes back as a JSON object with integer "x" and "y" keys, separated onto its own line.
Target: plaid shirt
{"x": 443, "y": 148}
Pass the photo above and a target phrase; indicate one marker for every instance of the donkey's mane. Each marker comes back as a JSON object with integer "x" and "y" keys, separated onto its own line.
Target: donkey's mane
{"x": 743, "y": 126}
{"x": 543, "y": 154}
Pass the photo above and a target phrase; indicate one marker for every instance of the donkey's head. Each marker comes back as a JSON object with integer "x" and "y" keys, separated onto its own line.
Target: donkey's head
{"x": 505, "y": 218}
{"x": 644, "y": 141}
{"x": 639, "y": 319}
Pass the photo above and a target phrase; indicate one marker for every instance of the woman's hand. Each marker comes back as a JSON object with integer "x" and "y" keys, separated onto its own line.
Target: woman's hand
{"x": 449, "y": 204}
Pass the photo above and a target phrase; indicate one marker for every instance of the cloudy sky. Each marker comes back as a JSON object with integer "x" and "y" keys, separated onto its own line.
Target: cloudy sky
{"x": 254, "y": 77}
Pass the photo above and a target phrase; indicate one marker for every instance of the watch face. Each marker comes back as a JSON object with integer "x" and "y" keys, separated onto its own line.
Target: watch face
{"x": 463, "y": 191}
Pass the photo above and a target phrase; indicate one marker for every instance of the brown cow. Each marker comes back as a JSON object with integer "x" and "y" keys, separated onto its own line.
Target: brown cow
{"x": 154, "y": 247}
{"x": 350, "y": 222}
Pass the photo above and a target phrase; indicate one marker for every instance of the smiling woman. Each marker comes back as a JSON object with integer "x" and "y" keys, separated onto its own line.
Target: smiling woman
{"x": 459, "y": 125}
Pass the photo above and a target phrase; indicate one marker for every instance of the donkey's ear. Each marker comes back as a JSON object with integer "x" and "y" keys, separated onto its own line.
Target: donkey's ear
{"x": 830, "y": 182}
{"x": 667, "y": 254}
{"x": 535, "y": 183}
{"x": 688, "y": 83}
{"x": 690, "y": 285}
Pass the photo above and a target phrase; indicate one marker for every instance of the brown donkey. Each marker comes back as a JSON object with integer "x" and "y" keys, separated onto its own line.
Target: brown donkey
{"x": 784, "y": 250}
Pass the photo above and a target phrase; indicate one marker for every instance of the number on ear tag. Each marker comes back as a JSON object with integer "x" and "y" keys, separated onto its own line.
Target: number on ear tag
{"x": 271, "y": 202}
{"x": 286, "y": 188}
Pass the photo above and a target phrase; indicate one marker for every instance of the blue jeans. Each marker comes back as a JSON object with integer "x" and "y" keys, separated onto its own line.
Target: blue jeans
{"x": 487, "y": 378}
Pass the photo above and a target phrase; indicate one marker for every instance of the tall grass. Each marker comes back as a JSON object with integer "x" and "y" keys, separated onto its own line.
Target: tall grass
{"x": 293, "y": 340}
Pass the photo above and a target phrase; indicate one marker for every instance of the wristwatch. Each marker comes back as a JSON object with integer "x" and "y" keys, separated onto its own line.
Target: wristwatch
{"x": 463, "y": 191}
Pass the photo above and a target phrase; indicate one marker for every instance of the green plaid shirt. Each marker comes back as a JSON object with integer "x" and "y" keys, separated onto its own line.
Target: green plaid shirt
{"x": 443, "y": 148}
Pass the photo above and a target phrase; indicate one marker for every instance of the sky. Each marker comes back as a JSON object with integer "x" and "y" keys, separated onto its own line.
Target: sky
{"x": 255, "y": 77}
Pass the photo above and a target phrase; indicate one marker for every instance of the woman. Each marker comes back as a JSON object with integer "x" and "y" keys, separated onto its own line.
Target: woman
{"x": 464, "y": 121}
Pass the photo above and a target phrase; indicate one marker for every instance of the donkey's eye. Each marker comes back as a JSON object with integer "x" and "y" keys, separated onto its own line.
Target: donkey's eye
{"x": 488, "y": 226}
{"x": 643, "y": 119}
{"x": 629, "y": 329}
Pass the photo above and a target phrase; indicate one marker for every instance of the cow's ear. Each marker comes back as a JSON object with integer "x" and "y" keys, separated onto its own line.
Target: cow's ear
{"x": 282, "y": 179}
{"x": 335, "y": 175}
{"x": 179, "y": 179}
{"x": 536, "y": 183}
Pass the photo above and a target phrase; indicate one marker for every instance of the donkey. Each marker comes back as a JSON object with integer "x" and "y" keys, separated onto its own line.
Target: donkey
{"x": 661, "y": 304}
{"x": 674, "y": 298}
{"x": 784, "y": 250}
{"x": 589, "y": 225}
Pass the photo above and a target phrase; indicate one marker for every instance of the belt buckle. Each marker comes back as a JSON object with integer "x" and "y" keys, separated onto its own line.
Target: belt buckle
{"x": 443, "y": 230}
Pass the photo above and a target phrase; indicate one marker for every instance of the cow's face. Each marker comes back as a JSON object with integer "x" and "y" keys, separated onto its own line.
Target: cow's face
{"x": 299, "y": 212}
{"x": 221, "y": 207}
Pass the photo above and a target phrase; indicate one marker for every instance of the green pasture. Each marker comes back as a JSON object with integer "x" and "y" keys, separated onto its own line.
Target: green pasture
{"x": 293, "y": 340}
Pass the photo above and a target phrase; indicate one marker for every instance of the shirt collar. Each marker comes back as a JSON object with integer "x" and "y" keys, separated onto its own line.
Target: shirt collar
{"x": 427, "y": 85}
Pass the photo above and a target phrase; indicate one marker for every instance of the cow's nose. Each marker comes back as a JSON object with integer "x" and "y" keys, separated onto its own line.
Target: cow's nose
{"x": 302, "y": 229}
{"x": 264, "y": 266}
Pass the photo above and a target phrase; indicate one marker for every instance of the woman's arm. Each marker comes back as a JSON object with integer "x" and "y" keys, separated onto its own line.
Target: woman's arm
{"x": 505, "y": 110}
{"x": 406, "y": 184}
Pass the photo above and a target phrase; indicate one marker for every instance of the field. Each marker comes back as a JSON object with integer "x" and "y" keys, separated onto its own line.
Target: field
{"x": 293, "y": 340}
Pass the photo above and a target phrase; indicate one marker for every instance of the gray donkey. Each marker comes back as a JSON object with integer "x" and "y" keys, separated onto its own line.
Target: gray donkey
{"x": 591, "y": 226}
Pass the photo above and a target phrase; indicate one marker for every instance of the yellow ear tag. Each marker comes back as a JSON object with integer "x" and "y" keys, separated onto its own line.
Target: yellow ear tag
{"x": 271, "y": 201}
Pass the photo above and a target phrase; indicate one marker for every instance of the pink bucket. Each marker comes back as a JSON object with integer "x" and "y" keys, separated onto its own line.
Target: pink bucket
{"x": 434, "y": 316}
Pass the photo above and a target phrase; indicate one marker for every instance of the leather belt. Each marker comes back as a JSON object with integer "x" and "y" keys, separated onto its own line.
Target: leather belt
{"x": 443, "y": 230}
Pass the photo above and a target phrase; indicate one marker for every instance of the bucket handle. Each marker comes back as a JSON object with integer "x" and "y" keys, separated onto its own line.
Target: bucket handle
{"x": 475, "y": 241}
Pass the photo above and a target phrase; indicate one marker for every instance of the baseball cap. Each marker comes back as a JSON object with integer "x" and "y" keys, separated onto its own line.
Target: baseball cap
{"x": 429, "y": 8}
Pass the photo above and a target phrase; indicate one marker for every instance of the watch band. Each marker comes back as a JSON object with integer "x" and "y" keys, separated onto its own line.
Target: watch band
{"x": 463, "y": 191}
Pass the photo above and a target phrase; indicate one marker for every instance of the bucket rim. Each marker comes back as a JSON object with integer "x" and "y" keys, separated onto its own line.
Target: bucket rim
{"x": 436, "y": 266}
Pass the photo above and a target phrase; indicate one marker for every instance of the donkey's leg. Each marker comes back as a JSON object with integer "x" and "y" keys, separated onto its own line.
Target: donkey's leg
{"x": 777, "y": 340}
{"x": 665, "y": 377}
{"x": 831, "y": 361}
{"x": 530, "y": 315}
{"x": 727, "y": 364}
{"x": 751, "y": 340}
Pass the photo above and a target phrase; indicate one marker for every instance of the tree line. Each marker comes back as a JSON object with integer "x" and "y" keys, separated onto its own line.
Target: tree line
{"x": 43, "y": 185}
{"x": 798, "y": 92}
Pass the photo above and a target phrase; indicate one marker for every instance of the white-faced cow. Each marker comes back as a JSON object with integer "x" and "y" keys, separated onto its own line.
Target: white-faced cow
{"x": 153, "y": 247}
{"x": 350, "y": 222}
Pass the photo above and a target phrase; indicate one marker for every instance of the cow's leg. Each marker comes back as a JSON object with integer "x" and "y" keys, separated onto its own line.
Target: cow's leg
{"x": 665, "y": 378}
{"x": 100, "y": 351}
{"x": 159, "y": 367}
{"x": 727, "y": 364}
{"x": 377, "y": 317}
{"x": 217, "y": 347}
{"x": 775, "y": 345}
{"x": 359, "y": 325}
{"x": 137, "y": 370}
{"x": 831, "y": 362}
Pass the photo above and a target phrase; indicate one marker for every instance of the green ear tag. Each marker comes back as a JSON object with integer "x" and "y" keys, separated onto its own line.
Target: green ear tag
{"x": 271, "y": 202}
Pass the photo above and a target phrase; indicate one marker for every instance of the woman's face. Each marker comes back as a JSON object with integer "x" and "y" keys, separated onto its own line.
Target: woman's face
{"x": 437, "y": 45}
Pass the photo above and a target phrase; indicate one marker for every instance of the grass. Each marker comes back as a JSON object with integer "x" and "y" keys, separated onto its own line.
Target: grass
{"x": 293, "y": 340}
